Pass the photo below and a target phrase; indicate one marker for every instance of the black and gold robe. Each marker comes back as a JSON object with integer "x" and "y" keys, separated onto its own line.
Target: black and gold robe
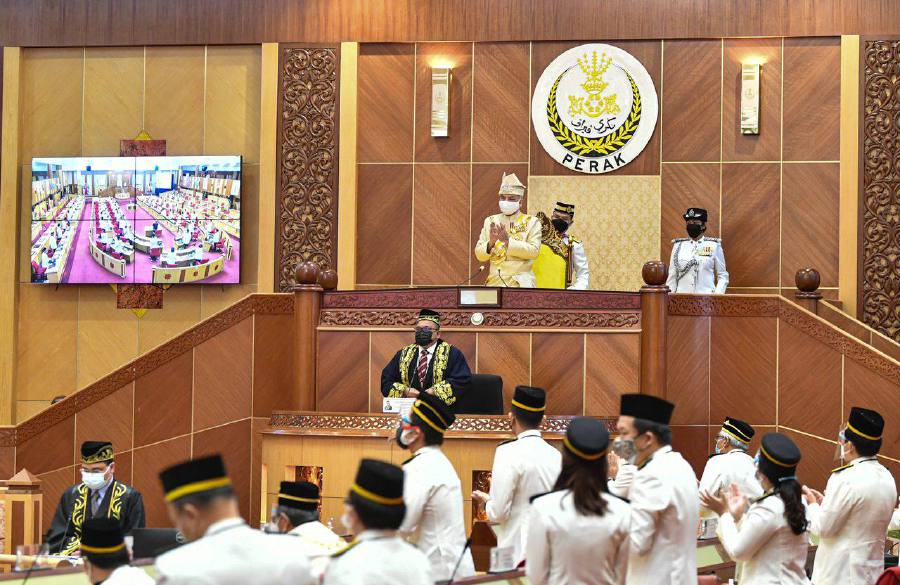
{"x": 448, "y": 373}
{"x": 121, "y": 502}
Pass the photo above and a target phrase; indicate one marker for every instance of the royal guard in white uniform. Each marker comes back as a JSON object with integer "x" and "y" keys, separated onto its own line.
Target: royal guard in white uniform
{"x": 373, "y": 512}
{"x": 665, "y": 507}
{"x": 297, "y": 515}
{"x": 105, "y": 556}
{"x": 432, "y": 491}
{"x": 523, "y": 468}
{"x": 769, "y": 541}
{"x": 731, "y": 464}
{"x": 852, "y": 517}
{"x": 222, "y": 550}
{"x": 697, "y": 264}
{"x": 578, "y": 533}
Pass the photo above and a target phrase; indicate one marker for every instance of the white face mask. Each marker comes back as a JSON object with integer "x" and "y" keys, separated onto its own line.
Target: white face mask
{"x": 94, "y": 480}
{"x": 407, "y": 437}
{"x": 843, "y": 453}
{"x": 345, "y": 521}
{"x": 509, "y": 207}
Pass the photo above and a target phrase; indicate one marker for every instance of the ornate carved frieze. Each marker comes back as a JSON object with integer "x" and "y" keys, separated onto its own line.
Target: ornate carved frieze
{"x": 531, "y": 319}
{"x": 880, "y": 274}
{"x": 724, "y": 305}
{"x": 391, "y": 299}
{"x": 446, "y": 298}
{"x": 381, "y": 422}
{"x": 307, "y": 159}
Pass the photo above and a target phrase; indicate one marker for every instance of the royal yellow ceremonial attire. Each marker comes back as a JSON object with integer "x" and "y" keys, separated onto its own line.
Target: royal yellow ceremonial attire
{"x": 561, "y": 262}
{"x": 511, "y": 265}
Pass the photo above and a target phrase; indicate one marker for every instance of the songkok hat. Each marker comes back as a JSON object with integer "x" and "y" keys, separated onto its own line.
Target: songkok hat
{"x": 778, "y": 457}
{"x": 96, "y": 452}
{"x": 647, "y": 407}
{"x": 568, "y": 208}
{"x": 429, "y": 315}
{"x": 429, "y": 411}
{"x": 379, "y": 484}
{"x": 301, "y": 495}
{"x": 738, "y": 429}
{"x": 101, "y": 538}
{"x": 194, "y": 477}
{"x": 586, "y": 438}
{"x": 511, "y": 185}
{"x": 530, "y": 399}
{"x": 865, "y": 424}
{"x": 696, "y": 213}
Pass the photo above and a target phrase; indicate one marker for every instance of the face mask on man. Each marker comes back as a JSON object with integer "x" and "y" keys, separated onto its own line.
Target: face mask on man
{"x": 560, "y": 225}
{"x": 94, "y": 480}
{"x": 694, "y": 230}
{"x": 625, "y": 449}
{"x": 509, "y": 207}
{"x": 405, "y": 437}
{"x": 424, "y": 337}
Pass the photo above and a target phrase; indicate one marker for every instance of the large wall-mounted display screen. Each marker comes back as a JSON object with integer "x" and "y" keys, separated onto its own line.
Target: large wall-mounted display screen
{"x": 144, "y": 220}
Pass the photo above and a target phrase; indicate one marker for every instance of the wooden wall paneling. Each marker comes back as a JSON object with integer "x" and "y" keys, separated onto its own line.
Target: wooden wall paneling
{"x": 342, "y": 371}
{"x": 384, "y": 344}
{"x": 233, "y": 101}
{"x": 223, "y": 369}
{"x": 273, "y": 364}
{"x": 765, "y": 146}
{"x": 441, "y": 214}
{"x": 183, "y": 310}
{"x": 507, "y": 355}
{"x": 886, "y": 345}
{"x": 385, "y": 107}
{"x": 693, "y": 444}
{"x": 810, "y": 212}
{"x": 688, "y": 371}
{"x": 894, "y": 467}
{"x": 612, "y": 368}
{"x": 51, "y": 83}
{"x": 751, "y": 223}
{"x": 53, "y": 485}
{"x": 557, "y": 365}
{"x": 107, "y": 338}
{"x": 812, "y": 99}
{"x": 817, "y": 457}
{"x": 742, "y": 369}
{"x": 809, "y": 383}
{"x": 865, "y": 388}
{"x": 339, "y": 475}
{"x": 501, "y": 121}
{"x": 457, "y": 146}
{"x": 307, "y": 162}
{"x": 124, "y": 469}
{"x": 34, "y": 455}
{"x": 112, "y": 112}
{"x": 146, "y": 465}
{"x": 683, "y": 186}
{"x": 485, "y": 187}
{"x": 109, "y": 419}
{"x": 233, "y": 442}
{"x": 170, "y": 384}
{"x": 173, "y": 94}
{"x": 692, "y": 100}
{"x": 7, "y": 462}
{"x": 542, "y": 54}
{"x": 466, "y": 342}
{"x": 384, "y": 224}
{"x": 47, "y": 309}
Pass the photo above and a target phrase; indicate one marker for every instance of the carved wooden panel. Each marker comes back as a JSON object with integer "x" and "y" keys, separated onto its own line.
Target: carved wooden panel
{"x": 307, "y": 159}
{"x": 550, "y": 319}
{"x": 880, "y": 204}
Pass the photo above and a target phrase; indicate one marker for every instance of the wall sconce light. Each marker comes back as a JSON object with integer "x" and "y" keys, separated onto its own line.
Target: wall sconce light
{"x": 440, "y": 101}
{"x": 750, "y": 98}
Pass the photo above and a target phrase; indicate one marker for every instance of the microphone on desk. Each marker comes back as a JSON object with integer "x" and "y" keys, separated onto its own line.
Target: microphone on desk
{"x": 474, "y": 274}
{"x": 459, "y": 560}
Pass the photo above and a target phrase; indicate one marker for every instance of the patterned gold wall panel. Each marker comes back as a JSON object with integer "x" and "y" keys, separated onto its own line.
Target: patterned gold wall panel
{"x": 233, "y": 103}
{"x": 617, "y": 218}
{"x": 173, "y": 103}
{"x": 107, "y": 337}
{"x": 250, "y": 222}
{"x": 50, "y": 103}
{"x": 113, "y": 98}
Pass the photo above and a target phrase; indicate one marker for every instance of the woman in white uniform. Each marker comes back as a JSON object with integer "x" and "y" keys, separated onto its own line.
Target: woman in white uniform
{"x": 770, "y": 540}
{"x": 578, "y": 533}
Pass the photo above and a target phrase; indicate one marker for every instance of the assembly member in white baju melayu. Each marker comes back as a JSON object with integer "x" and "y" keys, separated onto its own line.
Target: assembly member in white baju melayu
{"x": 731, "y": 464}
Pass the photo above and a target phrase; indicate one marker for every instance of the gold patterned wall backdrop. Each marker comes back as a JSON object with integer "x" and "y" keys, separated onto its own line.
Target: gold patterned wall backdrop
{"x": 616, "y": 216}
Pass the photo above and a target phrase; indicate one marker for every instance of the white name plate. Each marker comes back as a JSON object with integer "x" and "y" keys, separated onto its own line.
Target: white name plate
{"x": 400, "y": 406}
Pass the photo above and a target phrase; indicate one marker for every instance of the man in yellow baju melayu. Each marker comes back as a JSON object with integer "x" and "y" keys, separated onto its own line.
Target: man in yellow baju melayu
{"x": 562, "y": 262}
{"x": 511, "y": 240}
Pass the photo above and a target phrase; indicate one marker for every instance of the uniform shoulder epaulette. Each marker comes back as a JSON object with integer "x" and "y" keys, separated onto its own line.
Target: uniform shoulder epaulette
{"x": 714, "y": 455}
{"x": 676, "y": 240}
{"x": 717, "y": 240}
{"x": 841, "y": 468}
{"x": 540, "y": 495}
{"x": 507, "y": 442}
{"x": 408, "y": 460}
{"x": 342, "y": 550}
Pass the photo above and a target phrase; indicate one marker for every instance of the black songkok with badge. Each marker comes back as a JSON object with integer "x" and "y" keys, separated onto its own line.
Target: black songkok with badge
{"x": 96, "y": 452}
{"x": 567, "y": 208}
{"x": 778, "y": 457}
{"x": 647, "y": 407}
{"x": 195, "y": 477}
{"x": 738, "y": 429}
{"x": 530, "y": 399}
{"x": 300, "y": 495}
{"x": 429, "y": 315}
{"x": 864, "y": 424}
{"x": 586, "y": 439}
{"x": 103, "y": 544}
{"x": 378, "y": 492}
{"x": 696, "y": 213}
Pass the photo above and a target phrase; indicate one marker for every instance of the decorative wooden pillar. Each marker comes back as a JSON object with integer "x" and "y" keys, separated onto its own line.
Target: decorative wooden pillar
{"x": 22, "y": 504}
{"x": 654, "y": 313}
{"x": 808, "y": 295}
{"x": 307, "y": 301}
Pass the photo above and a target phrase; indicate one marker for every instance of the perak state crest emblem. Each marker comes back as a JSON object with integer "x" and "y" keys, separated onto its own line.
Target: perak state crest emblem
{"x": 594, "y": 108}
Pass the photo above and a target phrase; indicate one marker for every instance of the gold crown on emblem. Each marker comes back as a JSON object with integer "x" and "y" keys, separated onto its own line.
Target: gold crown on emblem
{"x": 594, "y": 71}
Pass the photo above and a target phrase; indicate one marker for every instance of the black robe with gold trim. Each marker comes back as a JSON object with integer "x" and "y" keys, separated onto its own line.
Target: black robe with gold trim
{"x": 448, "y": 373}
{"x": 121, "y": 502}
